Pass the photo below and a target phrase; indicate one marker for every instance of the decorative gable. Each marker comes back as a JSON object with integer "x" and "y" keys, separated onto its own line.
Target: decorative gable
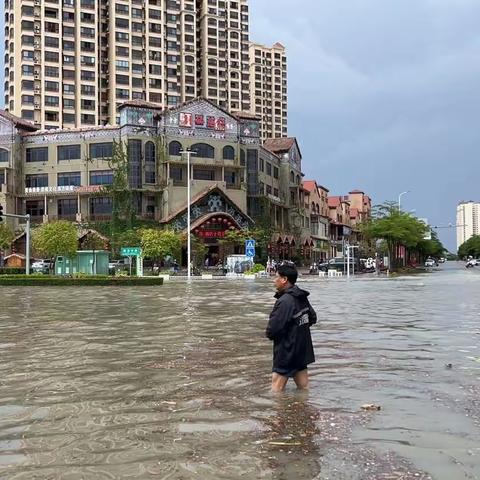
{"x": 212, "y": 201}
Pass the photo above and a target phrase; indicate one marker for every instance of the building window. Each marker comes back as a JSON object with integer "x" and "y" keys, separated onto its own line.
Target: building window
{"x": 135, "y": 163}
{"x": 269, "y": 169}
{"x": 176, "y": 173}
{"x": 34, "y": 208}
{"x": 101, "y": 150}
{"x": 68, "y": 152}
{"x": 174, "y": 148}
{"x": 4, "y": 155}
{"x": 100, "y": 206}
{"x": 275, "y": 172}
{"x": 37, "y": 154}
{"x": 67, "y": 207}
{"x": 101, "y": 177}
{"x": 150, "y": 162}
{"x": 204, "y": 150}
{"x": 242, "y": 158}
{"x": 32, "y": 181}
{"x": 67, "y": 179}
{"x": 228, "y": 153}
{"x": 203, "y": 174}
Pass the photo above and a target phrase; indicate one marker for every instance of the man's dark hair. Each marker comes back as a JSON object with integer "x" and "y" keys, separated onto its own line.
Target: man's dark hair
{"x": 289, "y": 272}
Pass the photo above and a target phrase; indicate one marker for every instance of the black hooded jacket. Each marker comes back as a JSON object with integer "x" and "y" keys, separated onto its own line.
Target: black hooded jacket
{"x": 289, "y": 328}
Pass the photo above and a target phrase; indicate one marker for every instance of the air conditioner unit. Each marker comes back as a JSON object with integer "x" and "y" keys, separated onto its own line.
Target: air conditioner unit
{"x": 36, "y": 76}
{"x": 36, "y": 44}
{"x": 37, "y": 106}
{"x": 37, "y": 2}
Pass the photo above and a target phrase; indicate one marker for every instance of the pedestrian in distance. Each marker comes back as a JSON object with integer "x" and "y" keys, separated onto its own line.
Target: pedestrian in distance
{"x": 289, "y": 329}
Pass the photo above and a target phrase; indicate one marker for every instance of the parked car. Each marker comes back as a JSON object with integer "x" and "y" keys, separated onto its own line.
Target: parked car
{"x": 117, "y": 265}
{"x": 340, "y": 263}
{"x": 430, "y": 262}
{"x": 472, "y": 263}
{"x": 41, "y": 266}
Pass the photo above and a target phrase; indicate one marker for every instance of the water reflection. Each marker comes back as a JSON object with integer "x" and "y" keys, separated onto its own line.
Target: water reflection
{"x": 174, "y": 381}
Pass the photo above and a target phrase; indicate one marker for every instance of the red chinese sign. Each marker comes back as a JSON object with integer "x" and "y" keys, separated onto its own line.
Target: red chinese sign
{"x": 188, "y": 120}
{"x": 185, "y": 120}
{"x": 211, "y": 233}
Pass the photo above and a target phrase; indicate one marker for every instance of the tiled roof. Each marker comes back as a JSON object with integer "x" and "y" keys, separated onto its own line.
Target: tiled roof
{"x": 17, "y": 121}
{"x": 279, "y": 144}
{"x": 77, "y": 129}
{"x": 140, "y": 104}
{"x": 309, "y": 185}
{"x": 333, "y": 202}
{"x": 247, "y": 115}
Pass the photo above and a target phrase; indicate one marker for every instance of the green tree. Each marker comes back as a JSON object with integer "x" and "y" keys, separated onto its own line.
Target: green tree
{"x": 470, "y": 247}
{"x": 233, "y": 239}
{"x": 127, "y": 238}
{"x": 158, "y": 244}
{"x": 396, "y": 228}
{"x": 199, "y": 250}
{"x": 120, "y": 192}
{"x": 6, "y": 236}
{"x": 431, "y": 248}
{"x": 56, "y": 238}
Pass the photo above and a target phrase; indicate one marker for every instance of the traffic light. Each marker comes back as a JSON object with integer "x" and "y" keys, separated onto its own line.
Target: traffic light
{"x": 1, "y": 213}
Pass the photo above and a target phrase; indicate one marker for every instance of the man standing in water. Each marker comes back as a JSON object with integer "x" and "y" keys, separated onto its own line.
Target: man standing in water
{"x": 289, "y": 328}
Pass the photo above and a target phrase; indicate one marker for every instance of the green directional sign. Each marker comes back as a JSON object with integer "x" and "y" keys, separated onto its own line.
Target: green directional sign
{"x": 131, "y": 252}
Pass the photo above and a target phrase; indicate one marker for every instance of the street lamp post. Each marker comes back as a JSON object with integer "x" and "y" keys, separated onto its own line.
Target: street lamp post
{"x": 189, "y": 245}
{"x": 400, "y": 198}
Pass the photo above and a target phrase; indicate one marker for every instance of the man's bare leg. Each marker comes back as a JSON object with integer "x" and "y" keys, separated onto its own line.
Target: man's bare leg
{"x": 278, "y": 382}
{"x": 301, "y": 379}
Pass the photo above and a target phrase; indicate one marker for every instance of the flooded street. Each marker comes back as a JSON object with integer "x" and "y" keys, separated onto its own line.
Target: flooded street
{"x": 172, "y": 382}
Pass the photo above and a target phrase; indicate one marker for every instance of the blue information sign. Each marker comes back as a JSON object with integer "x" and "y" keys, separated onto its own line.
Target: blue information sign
{"x": 250, "y": 248}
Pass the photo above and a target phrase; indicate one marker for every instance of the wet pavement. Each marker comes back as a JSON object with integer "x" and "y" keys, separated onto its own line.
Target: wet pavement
{"x": 172, "y": 382}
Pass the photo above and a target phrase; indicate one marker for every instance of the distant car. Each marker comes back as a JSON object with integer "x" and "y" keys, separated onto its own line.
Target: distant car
{"x": 116, "y": 265}
{"x": 441, "y": 260}
{"x": 472, "y": 263}
{"x": 41, "y": 266}
{"x": 430, "y": 262}
{"x": 340, "y": 263}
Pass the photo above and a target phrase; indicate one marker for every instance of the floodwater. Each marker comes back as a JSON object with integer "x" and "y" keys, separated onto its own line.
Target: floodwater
{"x": 172, "y": 382}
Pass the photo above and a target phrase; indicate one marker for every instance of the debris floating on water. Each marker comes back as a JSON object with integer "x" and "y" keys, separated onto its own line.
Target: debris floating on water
{"x": 370, "y": 407}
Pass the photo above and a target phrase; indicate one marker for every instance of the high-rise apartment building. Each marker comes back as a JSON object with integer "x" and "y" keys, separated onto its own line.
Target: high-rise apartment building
{"x": 223, "y": 51}
{"x": 268, "y": 88}
{"x": 468, "y": 221}
{"x": 73, "y": 62}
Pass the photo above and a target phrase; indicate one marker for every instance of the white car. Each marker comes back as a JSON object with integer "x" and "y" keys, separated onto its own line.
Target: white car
{"x": 430, "y": 262}
{"x": 41, "y": 266}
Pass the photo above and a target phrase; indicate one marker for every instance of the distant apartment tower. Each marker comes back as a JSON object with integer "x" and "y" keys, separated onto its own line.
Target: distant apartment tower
{"x": 71, "y": 63}
{"x": 468, "y": 217}
{"x": 268, "y": 88}
{"x": 223, "y": 53}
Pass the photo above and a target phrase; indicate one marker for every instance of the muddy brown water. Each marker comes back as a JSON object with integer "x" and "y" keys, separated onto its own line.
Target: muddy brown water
{"x": 172, "y": 382}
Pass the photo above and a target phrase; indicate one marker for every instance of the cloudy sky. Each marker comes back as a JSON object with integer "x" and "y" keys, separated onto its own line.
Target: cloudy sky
{"x": 384, "y": 95}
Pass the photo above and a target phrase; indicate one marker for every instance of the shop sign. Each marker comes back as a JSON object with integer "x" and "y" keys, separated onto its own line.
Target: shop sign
{"x": 190, "y": 120}
{"x": 211, "y": 233}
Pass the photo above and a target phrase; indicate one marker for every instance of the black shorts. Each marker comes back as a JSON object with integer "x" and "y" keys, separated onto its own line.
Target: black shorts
{"x": 289, "y": 373}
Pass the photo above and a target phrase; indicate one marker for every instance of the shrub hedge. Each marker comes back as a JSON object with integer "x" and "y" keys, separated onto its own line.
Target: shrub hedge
{"x": 49, "y": 280}
{"x": 11, "y": 271}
